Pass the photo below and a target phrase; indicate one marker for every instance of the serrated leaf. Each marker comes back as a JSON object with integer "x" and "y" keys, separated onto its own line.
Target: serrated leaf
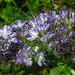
{"x": 60, "y": 70}
{"x": 56, "y": 71}
{"x": 66, "y": 70}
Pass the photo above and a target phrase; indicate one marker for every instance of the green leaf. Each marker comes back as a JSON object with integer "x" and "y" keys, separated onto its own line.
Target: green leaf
{"x": 56, "y": 71}
{"x": 0, "y": 1}
{"x": 72, "y": 71}
{"x": 60, "y": 70}
{"x": 7, "y": 0}
{"x": 9, "y": 16}
{"x": 60, "y": 63}
{"x": 66, "y": 70}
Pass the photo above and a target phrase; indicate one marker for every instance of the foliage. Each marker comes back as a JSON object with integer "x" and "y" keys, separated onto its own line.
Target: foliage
{"x": 37, "y": 45}
{"x": 12, "y": 10}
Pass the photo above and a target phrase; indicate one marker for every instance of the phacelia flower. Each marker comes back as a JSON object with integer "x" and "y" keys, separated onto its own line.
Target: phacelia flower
{"x": 72, "y": 20}
{"x": 5, "y": 31}
{"x": 40, "y": 57}
{"x": 19, "y": 24}
{"x": 33, "y": 34}
{"x": 22, "y": 57}
{"x": 71, "y": 34}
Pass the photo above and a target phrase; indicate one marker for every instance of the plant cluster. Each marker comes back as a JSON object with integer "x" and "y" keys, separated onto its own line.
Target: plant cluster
{"x": 32, "y": 41}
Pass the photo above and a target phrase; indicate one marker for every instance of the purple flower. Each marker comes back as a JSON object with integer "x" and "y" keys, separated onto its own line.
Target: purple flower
{"x": 52, "y": 17}
{"x": 32, "y": 53}
{"x": 39, "y": 63}
{"x": 36, "y": 48}
{"x": 6, "y": 46}
{"x": 28, "y": 48}
{"x": 19, "y": 59}
{"x": 12, "y": 38}
{"x": 40, "y": 22}
{"x": 23, "y": 57}
{"x": 45, "y": 38}
{"x": 73, "y": 13}
{"x": 19, "y": 24}
{"x": 71, "y": 34}
{"x": 51, "y": 44}
{"x": 72, "y": 20}
{"x": 33, "y": 23}
{"x": 28, "y": 62}
{"x": 42, "y": 39}
{"x": 64, "y": 14}
{"x": 52, "y": 35}
{"x": 58, "y": 20}
{"x": 5, "y": 31}
{"x": 33, "y": 33}
{"x": 40, "y": 57}
{"x": 43, "y": 28}
{"x": 43, "y": 17}
{"x": 64, "y": 29}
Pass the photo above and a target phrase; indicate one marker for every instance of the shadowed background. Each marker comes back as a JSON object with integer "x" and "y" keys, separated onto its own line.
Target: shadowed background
{"x": 12, "y": 10}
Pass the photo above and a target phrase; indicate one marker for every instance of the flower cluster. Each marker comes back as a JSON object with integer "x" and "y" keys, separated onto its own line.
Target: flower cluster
{"x": 50, "y": 29}
{"x": 25, "y": 55}
{"x": 53, "y": 30}
{"x": 12, "y": 45}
